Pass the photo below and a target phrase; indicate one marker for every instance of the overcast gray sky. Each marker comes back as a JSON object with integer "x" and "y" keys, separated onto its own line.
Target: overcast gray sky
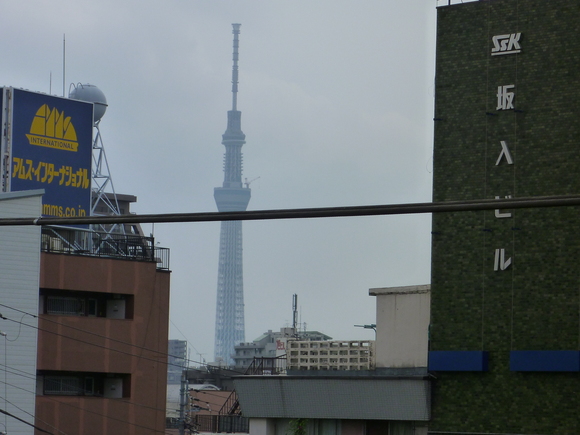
{"x": 336, "y": 99}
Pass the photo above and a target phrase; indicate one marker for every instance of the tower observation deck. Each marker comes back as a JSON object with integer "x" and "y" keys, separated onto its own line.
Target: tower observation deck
{"x": 232, "y": 196}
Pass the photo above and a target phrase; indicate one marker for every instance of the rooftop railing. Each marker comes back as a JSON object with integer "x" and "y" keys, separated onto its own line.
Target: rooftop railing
{"x": 452, "y": 2}
{"x": 79, "y": 241}
{"x": 267, "y": 366}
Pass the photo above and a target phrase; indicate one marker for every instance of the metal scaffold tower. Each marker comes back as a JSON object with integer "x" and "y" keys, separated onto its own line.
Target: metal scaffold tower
{"x": 102, "y": 203}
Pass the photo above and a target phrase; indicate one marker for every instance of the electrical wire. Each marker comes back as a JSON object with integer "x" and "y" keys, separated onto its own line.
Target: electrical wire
{"x": 165, "y": 354}
{"x": 53, "y": 399}
{"x": 220, "y": 404}
{"x": 107, "y": 416}
{"x": 209, "y": 393}
{"x": 116, "y": 350}
{"x": 17, "y": 387}
{"x": 128, "y": 402}
{"x": 34, "y": 417}
{"x": 184, "y": 336}
{"x": 19, "y": 330}
{"x": 71, "y": 338}
{"x": 87, "y": 343}
{"x": 25, "y": 422}
{"x": 141, "y": 348}
{"x": 14, "y": 371}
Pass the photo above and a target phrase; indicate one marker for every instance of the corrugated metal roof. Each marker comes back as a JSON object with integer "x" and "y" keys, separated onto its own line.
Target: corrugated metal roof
{"x": 360, "y": 399}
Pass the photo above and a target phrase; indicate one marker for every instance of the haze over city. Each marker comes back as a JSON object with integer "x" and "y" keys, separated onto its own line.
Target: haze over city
{"x": 336, "y": 100}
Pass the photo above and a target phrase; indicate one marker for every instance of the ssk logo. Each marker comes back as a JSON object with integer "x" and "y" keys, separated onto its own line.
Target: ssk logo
{"x": 506, "y": 44}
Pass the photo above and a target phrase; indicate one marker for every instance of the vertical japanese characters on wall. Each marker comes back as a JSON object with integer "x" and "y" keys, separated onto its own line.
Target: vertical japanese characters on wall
{"x": 504, "y": 45}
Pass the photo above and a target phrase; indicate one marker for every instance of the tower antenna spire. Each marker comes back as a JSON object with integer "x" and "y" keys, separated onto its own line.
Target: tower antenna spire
{"x": 236, "y": 32}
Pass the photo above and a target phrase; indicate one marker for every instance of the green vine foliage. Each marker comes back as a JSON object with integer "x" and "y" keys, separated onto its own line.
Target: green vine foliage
{"x": 297, "y": 426}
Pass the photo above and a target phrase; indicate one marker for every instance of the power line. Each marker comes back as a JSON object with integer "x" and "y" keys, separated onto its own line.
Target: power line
{"x": 128, "y": 402}
{"x": 162, "y": 354}
{"x": 71, "y": 338}
{"x": 14, "y": 371}
{"x": 186, "y": 339}
{"x": 32, "y": 415}
{"x": 88, "y": 410}
{"x": 306, "y": 213}
{"x": 85, "y": 342}
{"x": 109, "y": 417}
{"x": 44, "y": 318}
{"x": 25, "y": 422}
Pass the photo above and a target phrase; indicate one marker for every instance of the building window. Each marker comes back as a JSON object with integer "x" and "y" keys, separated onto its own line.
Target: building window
{"x": 89, "y": 386}
{"x": 65, "y": 305}
{"x": 54, "y": 383}
{"x": 92, "y": 307}
{"x": 77, "y": 303}
{"x": 62, "y": 386}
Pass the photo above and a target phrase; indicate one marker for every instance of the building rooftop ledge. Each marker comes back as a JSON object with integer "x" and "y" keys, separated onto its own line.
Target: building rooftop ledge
{"x": 411, "y": 289}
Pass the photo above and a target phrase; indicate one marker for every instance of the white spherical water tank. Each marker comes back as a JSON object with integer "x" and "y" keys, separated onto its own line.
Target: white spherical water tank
{"x": 92, "y": 94}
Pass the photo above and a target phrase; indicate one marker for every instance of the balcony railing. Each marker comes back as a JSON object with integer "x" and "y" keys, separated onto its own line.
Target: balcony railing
{"x": 79, "y": 241}
{"x": 220, "y": 424}
{"x": 267, "y": 366}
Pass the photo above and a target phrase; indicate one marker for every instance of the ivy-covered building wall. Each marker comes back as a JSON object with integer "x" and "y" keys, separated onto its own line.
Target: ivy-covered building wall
{"x": 505, "y": 319}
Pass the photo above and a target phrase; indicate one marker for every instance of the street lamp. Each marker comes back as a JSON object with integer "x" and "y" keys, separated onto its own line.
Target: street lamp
{"x": 372, "y": 326}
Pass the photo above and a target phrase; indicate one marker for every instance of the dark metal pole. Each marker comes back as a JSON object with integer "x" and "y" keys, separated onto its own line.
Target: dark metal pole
{"x": 304, "y": 213}
{"x": 182, "y": 402}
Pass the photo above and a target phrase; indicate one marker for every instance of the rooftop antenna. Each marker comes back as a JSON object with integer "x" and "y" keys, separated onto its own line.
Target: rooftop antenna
{"x": 63, "y": 62}
{"x": 236, "y": 32}
{"x": 295, "y": 313}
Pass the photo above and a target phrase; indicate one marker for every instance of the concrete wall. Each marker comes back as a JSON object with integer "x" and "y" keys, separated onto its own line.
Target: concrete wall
{"x": 402, "y": 326}
{"x": 19, "y": 270}
{"x": 262, "y": 426}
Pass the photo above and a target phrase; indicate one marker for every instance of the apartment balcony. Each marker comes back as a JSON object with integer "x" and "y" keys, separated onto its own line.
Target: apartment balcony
{"x": 80, "y": 241}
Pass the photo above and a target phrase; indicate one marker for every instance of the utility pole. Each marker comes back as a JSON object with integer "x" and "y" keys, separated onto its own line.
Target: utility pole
{"x": 182, "y": 402}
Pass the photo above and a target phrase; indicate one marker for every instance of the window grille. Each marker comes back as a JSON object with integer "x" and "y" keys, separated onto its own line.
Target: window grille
{"x": 62, "y": 385}
{"x": 65, "y": 305}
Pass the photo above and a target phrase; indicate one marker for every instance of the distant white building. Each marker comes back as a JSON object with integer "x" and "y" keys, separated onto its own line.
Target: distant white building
{"x": 271, "y": 344}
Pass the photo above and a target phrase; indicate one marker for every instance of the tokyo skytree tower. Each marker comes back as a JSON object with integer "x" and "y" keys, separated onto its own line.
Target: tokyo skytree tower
{"x": 232, "y": 196}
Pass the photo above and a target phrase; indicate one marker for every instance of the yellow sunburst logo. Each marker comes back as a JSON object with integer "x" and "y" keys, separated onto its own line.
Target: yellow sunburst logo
{"x": 52, "y": 129}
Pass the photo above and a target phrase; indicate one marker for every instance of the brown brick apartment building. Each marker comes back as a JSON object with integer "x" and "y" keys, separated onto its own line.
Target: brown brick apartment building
{"x": 102, "y": 338}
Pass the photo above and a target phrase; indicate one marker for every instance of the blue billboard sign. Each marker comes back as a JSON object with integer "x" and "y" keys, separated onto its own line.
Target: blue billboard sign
{"x": 51, "y": 149}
